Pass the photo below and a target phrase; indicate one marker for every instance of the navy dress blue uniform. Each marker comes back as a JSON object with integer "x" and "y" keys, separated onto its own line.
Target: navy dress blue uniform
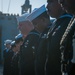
{"x": 67, "y": 47}
{"x": 40, "y": 56}
{"x": 14, "y": 64}
{"x": 27, "y": 53}
{"x": 53, "y": 65}
{"x": 15, "y": 57}
{"x": 7, "y": 61}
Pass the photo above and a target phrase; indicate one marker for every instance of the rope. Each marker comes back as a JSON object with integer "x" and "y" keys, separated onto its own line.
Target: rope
{"x": 9, "y": 6}
{"x": 71, "y": 23}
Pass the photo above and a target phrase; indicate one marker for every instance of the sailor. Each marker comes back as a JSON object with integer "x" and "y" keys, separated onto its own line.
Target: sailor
{"x": 31, "y": 41}
{"x": 42, "y": 24}
{"x": 15, "y": 46}
{"x": 53, "y": 65}
{"x": 7, "y": 54}
{"x": 67, "y": 43}
{"x": 14, "y": 61}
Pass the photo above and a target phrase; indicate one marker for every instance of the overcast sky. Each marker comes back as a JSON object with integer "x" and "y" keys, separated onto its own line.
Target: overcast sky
{"x": 14, "y": 6}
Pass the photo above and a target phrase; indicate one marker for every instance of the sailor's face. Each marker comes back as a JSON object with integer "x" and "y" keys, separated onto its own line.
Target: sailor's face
{"x": 23, "y": 26}
{"x": 8, "y": 45}
{"x": 53, "y": 8}
{"x": 40, "y": 24}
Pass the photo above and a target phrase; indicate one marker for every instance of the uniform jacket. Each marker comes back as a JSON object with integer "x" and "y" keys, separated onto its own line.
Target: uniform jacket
{"x": 27, "y": 53}
{"x": 15, "y": 64}
{"x": 7, "y": 62}
{"x": 68, "y": 51}
{"x": 40, "y": 57}
{"x": 53, "y": 65}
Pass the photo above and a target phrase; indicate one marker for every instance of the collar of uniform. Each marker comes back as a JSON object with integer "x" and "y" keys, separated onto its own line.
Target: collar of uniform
{"x": 34, "y": 32}
{"x": 65, "y": 15}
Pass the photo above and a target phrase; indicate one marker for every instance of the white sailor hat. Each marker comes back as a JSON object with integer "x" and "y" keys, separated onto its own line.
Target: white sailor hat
{"x": 13, "y": 44}
{"x": 18, "y": 36}
{"x": 36, "y": 13}
{"x": 7, "y": 42}
{"x": 22, "y": 17}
